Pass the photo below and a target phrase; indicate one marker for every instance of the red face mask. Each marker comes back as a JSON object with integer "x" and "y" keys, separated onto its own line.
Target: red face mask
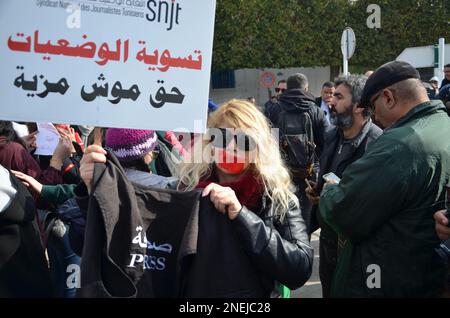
{"x": 231, "y": 166}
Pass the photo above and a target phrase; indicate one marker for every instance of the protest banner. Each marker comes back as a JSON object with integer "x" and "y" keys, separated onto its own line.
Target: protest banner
{"x": 109, "y": 63}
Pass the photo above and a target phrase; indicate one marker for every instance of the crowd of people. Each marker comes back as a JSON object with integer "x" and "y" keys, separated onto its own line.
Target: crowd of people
{"x": 135, "y": 213}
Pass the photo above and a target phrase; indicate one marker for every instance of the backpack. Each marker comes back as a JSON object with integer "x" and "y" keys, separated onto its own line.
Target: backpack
{"x": 297, "y": 141}
{"x": 63, "y": 262}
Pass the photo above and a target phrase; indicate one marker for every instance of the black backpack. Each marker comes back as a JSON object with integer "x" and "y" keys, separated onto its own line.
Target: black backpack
{"x": 297, "y": 141}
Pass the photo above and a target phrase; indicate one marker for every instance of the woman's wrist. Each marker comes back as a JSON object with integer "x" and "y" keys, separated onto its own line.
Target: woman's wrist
{"x": 56, "y": 163}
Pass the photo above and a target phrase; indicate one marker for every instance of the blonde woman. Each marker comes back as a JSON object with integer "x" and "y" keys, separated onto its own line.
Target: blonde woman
{"x": 239, "y": 166}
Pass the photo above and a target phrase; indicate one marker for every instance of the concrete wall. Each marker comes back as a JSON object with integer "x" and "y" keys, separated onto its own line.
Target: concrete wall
{"x": 248, "y": 83}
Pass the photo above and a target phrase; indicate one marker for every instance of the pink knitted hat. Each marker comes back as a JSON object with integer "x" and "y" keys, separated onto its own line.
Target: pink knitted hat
{"x": 130, "y": 144}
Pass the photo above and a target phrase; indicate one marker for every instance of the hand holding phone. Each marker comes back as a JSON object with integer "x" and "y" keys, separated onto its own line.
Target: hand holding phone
{"x": 331, "y": 178}
{"x": 311, "y": 193}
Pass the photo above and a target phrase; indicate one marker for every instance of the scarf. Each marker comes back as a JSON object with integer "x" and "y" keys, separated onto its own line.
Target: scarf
{"x": 248, "y": 188}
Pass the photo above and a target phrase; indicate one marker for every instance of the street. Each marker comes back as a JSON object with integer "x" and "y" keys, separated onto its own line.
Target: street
{"x": 313, "y": 288}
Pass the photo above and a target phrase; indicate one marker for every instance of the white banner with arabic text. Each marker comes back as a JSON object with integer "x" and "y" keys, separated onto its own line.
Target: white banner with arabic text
{"x": 109, "y": 63}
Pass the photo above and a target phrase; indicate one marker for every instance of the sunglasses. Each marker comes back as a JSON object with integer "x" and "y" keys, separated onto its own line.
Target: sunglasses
{"x": 221, "y": 138}
{"x": 280, "y": 90}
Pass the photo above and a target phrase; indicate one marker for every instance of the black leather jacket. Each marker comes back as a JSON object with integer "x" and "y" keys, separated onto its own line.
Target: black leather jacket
{"x": 279, "y": 249}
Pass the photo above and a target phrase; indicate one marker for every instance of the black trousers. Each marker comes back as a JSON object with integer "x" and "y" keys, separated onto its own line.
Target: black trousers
{"x": 328, "y": 251}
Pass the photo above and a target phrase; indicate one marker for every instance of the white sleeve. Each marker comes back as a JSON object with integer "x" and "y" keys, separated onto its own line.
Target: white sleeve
{"x": 7, "y": 191}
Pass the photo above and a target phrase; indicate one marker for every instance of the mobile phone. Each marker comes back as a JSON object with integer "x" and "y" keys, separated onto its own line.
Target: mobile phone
{"x": 331, "y": 177}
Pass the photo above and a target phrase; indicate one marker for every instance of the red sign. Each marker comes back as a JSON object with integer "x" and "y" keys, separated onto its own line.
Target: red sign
{"x": 267, "y": 79}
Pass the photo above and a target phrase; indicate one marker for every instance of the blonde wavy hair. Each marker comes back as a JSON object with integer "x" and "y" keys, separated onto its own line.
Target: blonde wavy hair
{"x": 267, "y": 165}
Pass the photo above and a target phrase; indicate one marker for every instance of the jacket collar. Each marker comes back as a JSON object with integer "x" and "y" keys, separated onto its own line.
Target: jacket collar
{"x": 420, "y": 110}
{"x": 336, "y": 133}
{"x": 356, "y": 142}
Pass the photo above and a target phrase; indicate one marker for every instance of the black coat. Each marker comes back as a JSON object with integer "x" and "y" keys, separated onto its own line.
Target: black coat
{"x": 295, "y": 101}
{"x": 369, "y": 133}
{"x": 210, "y": 256}
{"x": 23, "y": 268}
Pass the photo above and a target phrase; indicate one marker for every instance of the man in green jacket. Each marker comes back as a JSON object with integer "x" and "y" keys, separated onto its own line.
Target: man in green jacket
{"x": 385, "y": 202}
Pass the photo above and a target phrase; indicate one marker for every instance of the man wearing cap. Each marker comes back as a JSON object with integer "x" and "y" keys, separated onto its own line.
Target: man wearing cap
{"x": 433, "y": 90}
{"x": 385, "y": 201}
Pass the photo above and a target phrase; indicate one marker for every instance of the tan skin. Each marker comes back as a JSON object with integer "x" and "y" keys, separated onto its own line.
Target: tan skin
{"x": 327, "y": 94}
{"x": 388, "y": 108}
{"x": 223, "y": 198}
{"x": 435, "y": 85}
{"x": 282, "y": 86}
{"x": 62, "y": 151}
{"x": 447, "y": 72}
{"x": 341, "y": 101}
{"x": 442, "y": 229}
{"x": 30, "y": 140}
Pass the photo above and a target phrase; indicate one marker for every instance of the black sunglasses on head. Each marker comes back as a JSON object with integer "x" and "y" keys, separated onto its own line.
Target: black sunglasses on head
{"x": 221, "y": 138}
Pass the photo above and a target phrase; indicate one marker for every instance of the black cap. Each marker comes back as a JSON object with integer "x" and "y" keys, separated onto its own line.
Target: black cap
{"x": 385, "y": 76}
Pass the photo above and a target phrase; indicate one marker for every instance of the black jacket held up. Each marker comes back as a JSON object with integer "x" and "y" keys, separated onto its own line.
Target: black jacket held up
{"x": 210, "y": 256}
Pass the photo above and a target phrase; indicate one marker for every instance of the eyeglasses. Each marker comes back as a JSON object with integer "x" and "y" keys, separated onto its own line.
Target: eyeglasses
{"x": 372, "y": 102}
{"x": 280, "y": 90}
{"x": 221, "y": 138}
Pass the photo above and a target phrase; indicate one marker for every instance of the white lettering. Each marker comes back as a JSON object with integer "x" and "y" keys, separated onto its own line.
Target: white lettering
{"x": 374, "y": 279}
{"x": 374, "y": 20}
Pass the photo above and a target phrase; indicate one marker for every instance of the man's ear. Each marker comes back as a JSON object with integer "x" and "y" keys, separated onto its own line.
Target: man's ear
{"x": 357, "y": 109}
{"x": 389, "y": 96}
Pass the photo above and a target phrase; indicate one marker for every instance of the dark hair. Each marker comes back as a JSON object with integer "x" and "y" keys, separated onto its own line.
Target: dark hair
{"x": 297, "y": 81}
{"x": 7, "y": 131}
{"x": 355, "y": 83}
{"x": 328, "y": 85}
{"x": 281, "y": 81}
{"x": 448, "y": 65}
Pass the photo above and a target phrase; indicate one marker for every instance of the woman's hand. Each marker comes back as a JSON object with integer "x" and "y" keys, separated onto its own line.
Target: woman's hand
{"x": 29, "y": 182}
{"x": 224, "y": 199}
{"x": 93, "y": 154}
{"x": 69, "y": 133}
{"x": 63, "y": 150}
{"x": 442, "y": 229}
